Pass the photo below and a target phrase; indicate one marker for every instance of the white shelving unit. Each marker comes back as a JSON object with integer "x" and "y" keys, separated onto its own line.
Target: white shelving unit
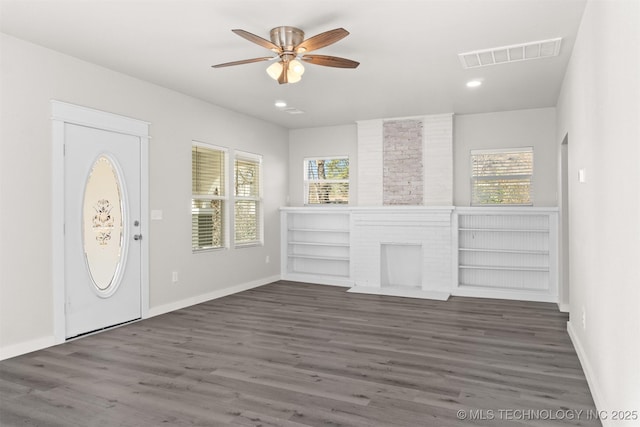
{"x": 501, "y": 252}
{"x": 507, "y": 253}
{"x": 317, "y": 245}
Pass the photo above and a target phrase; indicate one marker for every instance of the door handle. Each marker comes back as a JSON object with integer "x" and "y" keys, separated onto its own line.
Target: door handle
{"x": 137, "y": 237}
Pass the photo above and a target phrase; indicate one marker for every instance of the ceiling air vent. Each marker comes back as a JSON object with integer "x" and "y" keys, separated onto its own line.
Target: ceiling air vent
{"x": 513, "y": 53}
{"x": 292, "y": 110}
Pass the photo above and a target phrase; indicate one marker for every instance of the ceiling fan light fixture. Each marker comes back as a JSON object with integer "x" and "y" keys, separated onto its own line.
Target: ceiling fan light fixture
{"x": 294, "y": 72}
{"x": 296, "y": 67}
{"x": 274, "y": 70}
{"x": 293, "y": 77}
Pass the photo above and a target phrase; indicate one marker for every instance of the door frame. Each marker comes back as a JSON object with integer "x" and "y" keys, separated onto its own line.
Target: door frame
{"x": 64, "y": 113}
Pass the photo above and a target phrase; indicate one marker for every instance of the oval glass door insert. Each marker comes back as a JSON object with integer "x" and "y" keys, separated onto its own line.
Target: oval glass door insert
{"x": 103, "y": 226}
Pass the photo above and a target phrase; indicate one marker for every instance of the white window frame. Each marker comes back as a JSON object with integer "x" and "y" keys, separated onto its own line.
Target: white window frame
{"x": 307, "y": 181}
{"x": 224, "y": 198}
{"x": 255, "y": 158}
{"x": 499, "y": 151}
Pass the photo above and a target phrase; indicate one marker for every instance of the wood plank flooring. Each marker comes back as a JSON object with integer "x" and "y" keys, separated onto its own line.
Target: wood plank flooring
{"x": 294, "y": 354}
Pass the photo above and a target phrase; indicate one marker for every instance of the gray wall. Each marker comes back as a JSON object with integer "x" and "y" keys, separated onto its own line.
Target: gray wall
{"x": 327, "y": 141}
{"x": 523, "y": 128}
{"x": 599, "y": 109}
{"x": 31, "y": 77}
{"x": 509, "y": 129}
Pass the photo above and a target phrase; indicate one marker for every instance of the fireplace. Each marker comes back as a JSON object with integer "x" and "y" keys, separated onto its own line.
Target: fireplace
{"x": 402, "y": 250}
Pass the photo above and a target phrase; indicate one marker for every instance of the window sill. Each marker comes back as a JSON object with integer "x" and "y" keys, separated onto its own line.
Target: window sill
{"x": 506, "y": 205}
{"x": 200, "y": 251}
{"x": 248, "y": 245}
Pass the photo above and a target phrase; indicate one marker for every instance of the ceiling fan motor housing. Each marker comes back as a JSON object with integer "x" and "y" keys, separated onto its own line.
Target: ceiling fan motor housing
{"x": 287, "y": 38}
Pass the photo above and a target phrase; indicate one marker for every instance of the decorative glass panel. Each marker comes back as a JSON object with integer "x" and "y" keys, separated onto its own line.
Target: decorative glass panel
{"x": 103, "y": 225}
{"x": 248, "y": 197}
{"x": 246, "y": 223}
{"x": 247, "y": 179}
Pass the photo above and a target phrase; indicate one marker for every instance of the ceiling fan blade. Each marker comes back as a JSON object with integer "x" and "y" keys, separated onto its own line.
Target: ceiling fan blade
{"x": 322, "y": 40}
{"x": 244, "y": 61}
{"x": 257, "y": 40}
{"x": 330, "y": 61}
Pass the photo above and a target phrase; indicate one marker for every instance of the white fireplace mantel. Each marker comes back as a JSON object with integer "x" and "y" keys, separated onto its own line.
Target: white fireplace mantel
{"x": 402, "y": 250}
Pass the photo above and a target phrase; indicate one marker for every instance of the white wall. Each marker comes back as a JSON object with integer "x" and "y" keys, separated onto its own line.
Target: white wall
{"x": 437, "y": 160}
{"x": 317, "y": 142}
{"x": 522, "y": 128}
{"x": 509, "y": 129}
{"x": 599, "y": 109}
{"x": 30, "y": 77}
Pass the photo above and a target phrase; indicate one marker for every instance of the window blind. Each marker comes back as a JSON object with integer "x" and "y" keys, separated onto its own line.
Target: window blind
{"x": 207, "y": 171}
{"x": 502, "y": 177}
{"x": 208, "y": 197}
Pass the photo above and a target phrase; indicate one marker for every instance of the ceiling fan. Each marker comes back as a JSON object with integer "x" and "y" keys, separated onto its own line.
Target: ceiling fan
{"x": 290, "y": 47}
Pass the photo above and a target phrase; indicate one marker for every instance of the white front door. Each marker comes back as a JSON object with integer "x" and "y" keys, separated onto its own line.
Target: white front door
{"x": 102, "y": 231}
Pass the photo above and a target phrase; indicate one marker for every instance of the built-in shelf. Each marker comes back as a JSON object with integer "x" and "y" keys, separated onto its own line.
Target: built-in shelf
{"x": 316, "y": 245}
{"x": 505, "y": 230}
{"x": 320, "y": 257}
{"x": 530, "y": 291}
{"x": 319, "y": 244}
{"x": 502, "y": 267}
{"x": 424, "y": 252}
{"x": 508, "y": 252}
{"x": 319, "y": 230}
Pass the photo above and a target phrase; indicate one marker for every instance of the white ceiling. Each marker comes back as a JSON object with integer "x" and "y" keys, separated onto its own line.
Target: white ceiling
{"x": 407, "y": 51}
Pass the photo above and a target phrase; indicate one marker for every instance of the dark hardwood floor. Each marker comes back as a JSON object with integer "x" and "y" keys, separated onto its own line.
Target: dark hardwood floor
{"x": 293, "y": 354}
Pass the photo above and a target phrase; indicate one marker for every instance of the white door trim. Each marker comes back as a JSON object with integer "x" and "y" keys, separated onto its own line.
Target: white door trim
{"x": 62, "y": 113}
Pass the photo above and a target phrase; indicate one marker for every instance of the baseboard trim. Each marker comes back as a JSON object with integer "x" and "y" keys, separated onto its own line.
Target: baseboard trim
{"x": 26, "y": 347}
{"x": 399, "y": 291}
{"x": 219, "y": 293}
{"x": 318, "y": 279}
{"x": 594, "y": 387}
{"x": 510, "y": 294}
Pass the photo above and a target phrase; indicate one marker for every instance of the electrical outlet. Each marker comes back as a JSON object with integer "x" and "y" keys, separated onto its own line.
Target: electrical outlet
{"x": 584, "y": 318}
{"x": 267, "y": 260}
{"x": 174, "y": 277}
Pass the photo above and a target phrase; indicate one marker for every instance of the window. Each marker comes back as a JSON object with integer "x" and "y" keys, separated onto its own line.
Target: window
{"x": 326, "y": 181}
{"x": 502, "y": 177}
{"x": 248, "y": 199}
{"x": 208, "y": 202}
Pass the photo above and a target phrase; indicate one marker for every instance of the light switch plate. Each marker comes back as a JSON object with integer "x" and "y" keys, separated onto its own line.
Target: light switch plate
{"x": 156, "y": 214}
{"x": 582, "y": 176}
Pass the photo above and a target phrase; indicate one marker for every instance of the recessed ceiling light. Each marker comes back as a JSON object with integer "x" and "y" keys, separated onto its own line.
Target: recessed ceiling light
{"x": 280, "y": 104}
{"x": 474, "y": 83}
